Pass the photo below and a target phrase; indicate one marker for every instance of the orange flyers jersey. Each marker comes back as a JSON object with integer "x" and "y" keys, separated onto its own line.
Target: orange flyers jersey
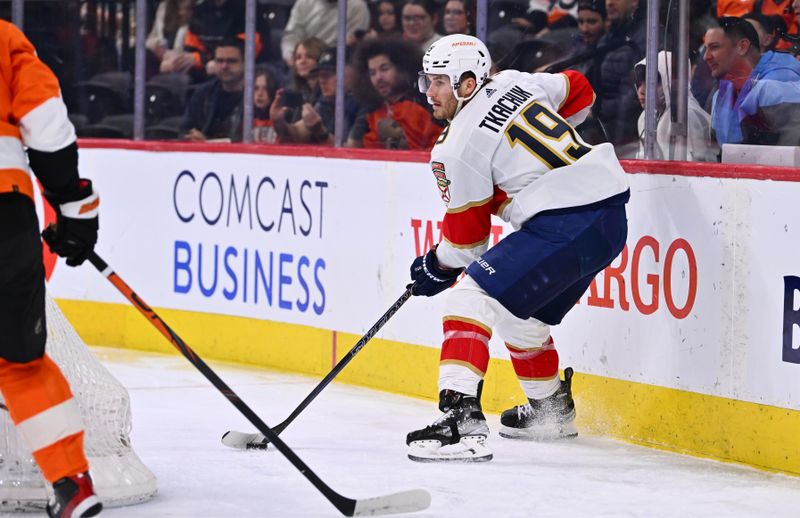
{"x": 32, "y": 113}
{"x": 781, "y": 8}
{"x": 512, "y": 151}
{"x": 742, "y": 7}
{"x": 417, "y": 124}
{"x": 555, "y": 9}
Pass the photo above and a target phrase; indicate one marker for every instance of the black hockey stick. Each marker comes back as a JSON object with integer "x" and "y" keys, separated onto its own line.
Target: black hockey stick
{"x": 403, "y": 502}
{"x": 243, "y": 440}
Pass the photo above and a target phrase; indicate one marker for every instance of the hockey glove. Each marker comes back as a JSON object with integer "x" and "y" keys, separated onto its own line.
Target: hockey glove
{"x": 75, "y": 232}
{"x": 430, "y": 277}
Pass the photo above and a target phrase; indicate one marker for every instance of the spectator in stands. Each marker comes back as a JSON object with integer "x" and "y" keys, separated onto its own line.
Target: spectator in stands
{"x": 211, "y": 22}
{"x": 700, "y": 146}
{"x": 591, "y": 19}
{"x": 591, "y": 22}
{"x": 779, "y": 30}
{"x": 617, "y": 106}
{"x": 781, "y": 8}
{"x": 318, "y": 122}
{"x": 385, "y": 20}
{"x": 765, "y": 27}
{"x": 547, "y": 14}
{"x": 264, "y": 90}
{"x": 591, "y": 28}
{"x": 758, "y": 101}
{"x": 170, "y": 25}
{"x": 319, "y": 19}
{"x": 304, "y": 60}
{"x": 457, "y": 16}
{"x": 701, "y": 17}
{"x": 392, "y": 114}
{"x": 214, "y": 111}
{"x": 419, "y": 19}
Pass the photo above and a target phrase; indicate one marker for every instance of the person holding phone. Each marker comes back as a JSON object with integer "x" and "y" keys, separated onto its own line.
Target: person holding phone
{"x": 286, "y": 108}
{"x": 298, "y": 121}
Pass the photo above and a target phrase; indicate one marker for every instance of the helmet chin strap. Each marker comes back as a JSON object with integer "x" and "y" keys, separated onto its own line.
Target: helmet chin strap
{"x": 462, "y": 101}
{"x": 460, "y": 105}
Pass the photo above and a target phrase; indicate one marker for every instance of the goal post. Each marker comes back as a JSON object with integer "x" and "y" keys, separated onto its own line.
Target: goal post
{"x": 120, "y": 477}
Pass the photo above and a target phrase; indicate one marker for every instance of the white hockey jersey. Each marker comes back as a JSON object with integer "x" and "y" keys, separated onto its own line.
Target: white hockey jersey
{"x": 512, "y": 151}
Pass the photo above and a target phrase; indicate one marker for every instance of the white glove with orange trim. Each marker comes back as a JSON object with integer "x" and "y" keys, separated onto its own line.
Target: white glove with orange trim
{"x": 75, "y": 232}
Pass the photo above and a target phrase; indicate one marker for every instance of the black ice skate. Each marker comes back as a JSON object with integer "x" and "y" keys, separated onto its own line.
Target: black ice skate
{"x": 543, "y": 419}
{"x": 458, "y": 435}
{"x": 74, "y": 498}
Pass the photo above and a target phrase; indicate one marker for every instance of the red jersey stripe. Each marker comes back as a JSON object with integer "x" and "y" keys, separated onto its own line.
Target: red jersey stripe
{"x": 580, "y": 94}
{"x": 466, "y": 343}
{"x": 469, "y": 226}
{"x": 499, "y": 200}
{"x": 536, "y": 364}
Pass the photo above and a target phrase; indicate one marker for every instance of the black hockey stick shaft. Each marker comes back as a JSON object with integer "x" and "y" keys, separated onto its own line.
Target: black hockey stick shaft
{"x": 345, "y": 360}
{"x": 346, "y": 506}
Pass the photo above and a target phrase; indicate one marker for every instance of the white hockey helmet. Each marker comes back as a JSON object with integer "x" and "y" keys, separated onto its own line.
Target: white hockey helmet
{"x": 453, "y": 56}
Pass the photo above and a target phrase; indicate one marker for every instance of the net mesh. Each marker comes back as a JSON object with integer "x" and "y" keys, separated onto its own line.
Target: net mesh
{"x": 119, "y": 476}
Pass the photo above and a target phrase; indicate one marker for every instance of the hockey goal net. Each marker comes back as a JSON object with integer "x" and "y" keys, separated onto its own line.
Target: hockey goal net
{"x": 120, "y": 478}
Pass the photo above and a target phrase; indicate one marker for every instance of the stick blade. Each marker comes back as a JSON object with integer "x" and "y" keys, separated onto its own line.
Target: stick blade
{"x": 403, "y": 502}
{"x": 244, "y": 441}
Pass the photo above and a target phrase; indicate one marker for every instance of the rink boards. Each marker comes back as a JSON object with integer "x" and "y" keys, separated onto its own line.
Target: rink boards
{"x": 686, "y": 342}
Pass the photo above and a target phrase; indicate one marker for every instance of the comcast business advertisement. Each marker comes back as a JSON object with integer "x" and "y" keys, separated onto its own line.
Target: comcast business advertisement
{"x": 696, "y": 301}
{"x": 292, "y": 239}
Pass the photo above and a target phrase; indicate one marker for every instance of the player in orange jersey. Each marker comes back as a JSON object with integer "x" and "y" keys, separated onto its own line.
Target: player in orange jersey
{"x": 36, "y": 393}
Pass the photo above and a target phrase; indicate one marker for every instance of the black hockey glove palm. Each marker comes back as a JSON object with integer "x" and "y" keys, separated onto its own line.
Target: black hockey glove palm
{"x": 75, "y": 232}
{"x": 430, "y": 277}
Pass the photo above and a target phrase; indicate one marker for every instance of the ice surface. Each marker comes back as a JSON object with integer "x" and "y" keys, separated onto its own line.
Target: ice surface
{"x": 354, "y": 439}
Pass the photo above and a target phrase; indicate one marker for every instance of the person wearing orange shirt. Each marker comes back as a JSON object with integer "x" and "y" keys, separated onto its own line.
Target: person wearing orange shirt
{"x": 35, "y": 391}
{"x": 782, "y": 8}
{"x": 392, "y": 114}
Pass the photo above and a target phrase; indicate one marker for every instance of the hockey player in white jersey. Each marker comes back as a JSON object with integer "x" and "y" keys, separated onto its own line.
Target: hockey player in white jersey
{"x": 511, "y": 150}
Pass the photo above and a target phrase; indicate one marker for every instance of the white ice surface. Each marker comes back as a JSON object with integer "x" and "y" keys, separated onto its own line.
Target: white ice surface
{"x": 354, "y": 439}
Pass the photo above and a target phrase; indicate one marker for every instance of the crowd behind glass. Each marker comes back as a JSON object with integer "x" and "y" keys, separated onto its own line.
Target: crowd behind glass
{"x": 744, "y": 72}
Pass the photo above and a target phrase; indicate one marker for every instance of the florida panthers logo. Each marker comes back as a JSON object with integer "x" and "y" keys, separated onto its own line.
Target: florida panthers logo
{"x": 441, "y": 180}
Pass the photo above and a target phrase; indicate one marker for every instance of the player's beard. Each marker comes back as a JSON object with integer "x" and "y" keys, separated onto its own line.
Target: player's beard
{"x": 447, "y": 109}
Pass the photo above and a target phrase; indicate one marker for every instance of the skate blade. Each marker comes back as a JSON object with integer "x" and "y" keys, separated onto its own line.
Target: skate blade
{"x": 548, "y": 432}
{"x": 469, "y": 449}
